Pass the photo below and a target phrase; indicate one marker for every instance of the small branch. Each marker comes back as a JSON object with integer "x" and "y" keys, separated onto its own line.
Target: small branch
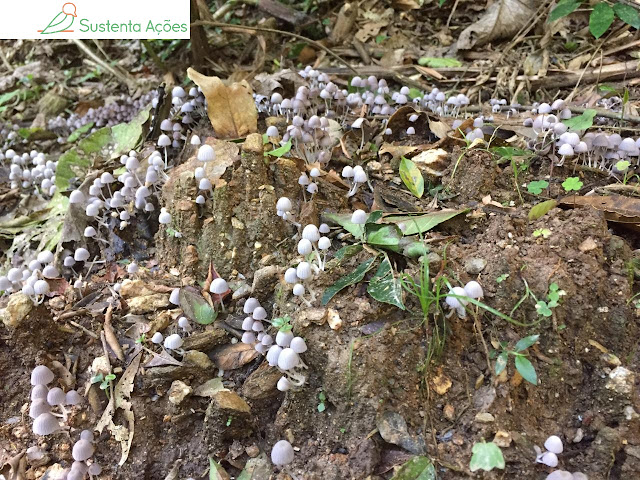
{"x": 130, "y": 82}
{"x": 239, "y": 28}
{"x": 110, "y": 335}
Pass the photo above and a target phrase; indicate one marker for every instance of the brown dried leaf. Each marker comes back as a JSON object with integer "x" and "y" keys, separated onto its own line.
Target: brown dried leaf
{"x": 231, "y": 109}
{"x": 161, "y": 359}
{"x": 230, "y": 357}
{"x": 616, "y": 208}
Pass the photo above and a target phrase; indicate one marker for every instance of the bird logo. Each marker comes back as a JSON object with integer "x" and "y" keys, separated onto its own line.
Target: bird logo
{"x": 63, "y": 21}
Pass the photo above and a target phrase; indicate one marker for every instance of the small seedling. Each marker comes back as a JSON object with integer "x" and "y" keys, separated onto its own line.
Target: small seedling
{"x": 542, "y": 232}
{"x": 486, "y": 456}
{"x": 553, "y": 300}
{"x": 523, "y": 365}
{"x": 502, "y": 278}
{"x": 283, "y": 324}
{"x": 572, "y": 184}
{"x": 321, "y": 405}
{"x": 229, "y": 420}
{"x": 537, "y": 186}
{"x": 141, "y": 339}
{"x": 104, "y": 381}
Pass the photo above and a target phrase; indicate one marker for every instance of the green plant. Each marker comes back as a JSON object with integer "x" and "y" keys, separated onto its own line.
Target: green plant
{"x": 523, "y": 365}
{"x": 283, "y": 324}
{"x": 486, "y": 456}
{"x": 543, "y": 308}
{"x": 572, "y": 184}
{"x": 141, "y": 339}
{"x": 542, "y": 232}
{"x": 104, "y": 381}
{"x": 412, "y": 177}
{"x": 229, "y": 420}
{"x": 502, "y": 278}
{"x": 537, "y": 186}
{"x": 321, "y": 405}
{"x": 601, "y": 17}
{"x": 623, "y": 166}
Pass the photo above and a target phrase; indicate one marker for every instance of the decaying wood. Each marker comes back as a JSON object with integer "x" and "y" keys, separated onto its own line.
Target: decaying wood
{"x": 110, "y": 335}
{"x": 344, "y": 23}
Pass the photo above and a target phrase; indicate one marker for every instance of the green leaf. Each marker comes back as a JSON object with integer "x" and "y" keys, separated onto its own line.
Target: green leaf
{"x": 537, "y": 186}
{"x": 195, "y": 307}
{"x": 510, "y": 152}
{"x": 563, "y": 9}
{"x": 127, "y": 136}
{"x": 96, "y": 141}
{"x": 622, "y": 165}
{"x": 280, "y": 151}
{"x": 600, "y": 19}
{"x": 526, "y": 342}
{"x": 70, "y": 165}
{"x": 581, "y": 122}
{"x": 347, "y": 251}
{"x": 627, "y": 14}
{"x": 344, "y": 220}
{"x": 384, "y": 236}
{"x": 216, "y": 472}
{"x": 501, "y": 362}
{"x": 525, "y": 368}
{"x": 321, "y": 407}
{"x": 541, "y": 209}
{"x": 411, "y": 225}
{"x": 417, "y": 468}
{"x": 572, "y": 184}
{"x": 435, "y": 62}
{"x": 543, "y": 309}
{"x": 283, "y": 323}
{"x": 77, "y": 133}
{"x": 384, "y": 287}
{"x": 415, "y": 250}
{"x": 486, "y": 456}
{"x": 412, "y": 177}
{"x": 354, "y": 277}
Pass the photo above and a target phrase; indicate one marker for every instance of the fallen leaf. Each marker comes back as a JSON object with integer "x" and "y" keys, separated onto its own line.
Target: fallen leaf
{"x": 161, "y": 359}
{"x": 231, "y": 109}
{"x": 230, "y": 357}
{"x": 393, "y": 429}
{"x": 616, "y": 208}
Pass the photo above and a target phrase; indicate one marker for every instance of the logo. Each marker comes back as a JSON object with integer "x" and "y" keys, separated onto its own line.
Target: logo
{"x": 62, "y": 22}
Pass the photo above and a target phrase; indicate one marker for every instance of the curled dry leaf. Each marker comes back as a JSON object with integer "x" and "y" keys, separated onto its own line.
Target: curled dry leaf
{"x": 231, "y": 108}
{"x": 234, "y": 356}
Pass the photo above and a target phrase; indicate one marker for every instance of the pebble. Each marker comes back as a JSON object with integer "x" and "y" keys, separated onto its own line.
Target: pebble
{"x": 484, "y": 417}
{"x": 178, "y": 392}
{"x": 474, "y": 265}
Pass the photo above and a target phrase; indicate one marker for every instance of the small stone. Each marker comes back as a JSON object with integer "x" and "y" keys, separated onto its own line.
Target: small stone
{"x": 231, "y": 401}
{"x": 178, "y": 392}
{"x": 134, "y": 288}
{"x": 502, "y": 439}
{"x": 621, "y": 381}
{"x": 449, "y": 411}
{"x": 148, "y": 303}
{"x": 317, "y": 316}
{"x": 434, "y": 261}
{"x": 197, "y": 359}
{"x": 265, "y": 280}
{"x": 253, "y": 143}
{"x": 17, "y": 310}
{"x": 587, "y": 245}
{"x": 210, "y": 387}
{"x": 484, "y": 417}
{"x": 441, "y": 383}
{"x": 474, "y": 265}
{"x": 237, "y": 224}
{"x": 334, "y": 320}
{"x": 577, "y": 438}
{"x": 252, "y": 450}
{"x": 610, "y": 359}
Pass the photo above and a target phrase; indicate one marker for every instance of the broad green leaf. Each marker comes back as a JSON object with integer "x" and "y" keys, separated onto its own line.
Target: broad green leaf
{"x": 411, "y": 225}
{"x": 70, "y": 165}
{"x": 384, "y": 236}
{"x": 563, "y": 9}
{"x": 541, "y": 209}
{"x": 525, "y": 368}
{"x": 347, "y": 251}
{"x": 415, "y": 93}
{"x": 280, "y": 151}
{"x": 510, "y": 152}
{"x": 526, "y": 342}
{"x": 96, "y": 141}
{"x": 36, "y": 133}
{"x": 581, "y": 122}
{"x": 627, "y": 14}
{"x": 77, "y": 133}
{"x": 412, "y": 177}
{"x": 537, "y": 186}
{"x": 415, "y": 250}
{"x": 417, "y": 468}
{"x": 384, "y": 287}
{"x": 127, "y": 136}
{"x": 501, "y": 362}
{"x": 321, "y": 407}
{"x": 486, "y": 456}
{"x": 435, "y": 62}
{"x": 352, "y": 278}
{"x": 344, "y": 220}
{"x": 216, "y": 472}
{"x": 195, "y": 307}
{"x": 572, "y": 184}
{"x": 600, "y": 19}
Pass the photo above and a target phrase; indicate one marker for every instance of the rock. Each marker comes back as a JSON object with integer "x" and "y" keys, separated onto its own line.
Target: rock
{"x": 441, "y": 383}
{"x": 178, "y": 392}
{"x": 134, "y": 288}
{"x": 449, "y": 411}
{"x": 203, "y": 341}
{"x": 231, "y": 402}
{"x": 261, "y": 383}
{"x": 434, "y": 261}
{"x": 253, "y": 143}
{"x": 484, "y": 398}
{"x": 334, "y": 320}
{"x": 265, "y": 280}
{"x": 306, "y": 317}
{"x": 502, "y": 439}
{"x": 393, "y": 429}
{"x": 473, "y": 265}
{"x": 148, "y": 303}
{"x": 52, "y": 104}
{"x": 17, "y": 310}
{"x": 610, "y": 359}
{"x": 258, "y": 468}
{"x": 621, "y": 381}
{"x": 210, "y": 388}
{"x": 364, "y": 458}
{"x": 197, "y": 359}
{"x": 240, "y": 290}
{"x": 587, "y": 245}
{"x": 484, "y": 417}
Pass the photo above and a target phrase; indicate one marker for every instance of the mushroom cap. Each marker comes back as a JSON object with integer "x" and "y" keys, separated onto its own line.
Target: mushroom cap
{"x": 38, "y": 407}
{"x": 311, "y": 233}
{"x": 259, "y": 313}
{"x": 291, "y": 275}
{"x": 175, "y": 296}
{"x": 284, "y": 338}
{"x": 73, "y": 398}
{"x": 267, "y": 340}
{"x": 81, "y": 254}
{"x": 324, "y": 228}
{"x": 554, "y": 444}
{"x": 273, "y": 354}
{"x": 303, "y": 271}
{"x": 298, "y": 345}
{"x": 324, "y": 243}
{"x": 173, "y": 341}
{"x": 49, "y": 271}
{"x": 247, "y": 323}
{"x": 298, "y": 290}
{"x": 305, "y": 247}
{"x": 164, "y": 218}
{"x": 359, "y": 175}
{"x": 86, "y": 435}
{"x": 257, "y": 326}
{"x": 250, "y": 305}
{"x": 56, "y": 396}
{"x": 95, "y": 469}
{"x": 347, "y": 172}
{"x": 560, "y": 475}
{"x": 549, "y": 459}
{"x": 41, "y": 375}
{"x": 282, "y": 453}
{"x": 45, "y": 424}
{"x": 284, "y": 204}
{"x": 76, "y": 197}
{"x": 359, "y": 217}
{"x": 45, "y": 257}
{"x": 473, "y": 290}
{"x": 157, "y": 338}
{"x": 249, "y": 338}
{"x": 195, "y": 140}
{"x": 206, "y": 153}
{"x": 164, "y": 140}
{"x": 39, "y": 392}
{"x": 35, "y": 453}
{"x": 288, "y": 359}
{"x": 283, "y": 384}
{"x": 219, "y": 286}
{"x": 78, "y": 471}
{"x": 565, "y": 150}
{"x": 82, "y": 450}
{"x": 41, "y": 287}
{"x": 272, "y": 131}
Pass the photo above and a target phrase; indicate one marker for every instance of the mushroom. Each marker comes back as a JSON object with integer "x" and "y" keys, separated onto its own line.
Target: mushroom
{"x": 41, "y": 375}
{"x": 282, "y": 453}
{"x": 45, "y": 424}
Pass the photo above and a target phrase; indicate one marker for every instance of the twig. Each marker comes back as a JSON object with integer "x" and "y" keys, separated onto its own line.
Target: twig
{"x": 318, "y": 45}
{"x": 110, "y": 335}
{"x": 85, "y": 330}
{"x": 130, "y": 82}
{"x": 600, "y": 112}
